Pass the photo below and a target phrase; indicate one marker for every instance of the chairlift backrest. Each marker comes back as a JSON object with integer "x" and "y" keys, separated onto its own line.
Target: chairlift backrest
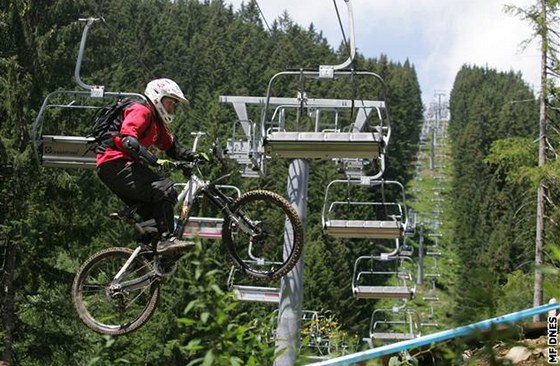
{"x": 62, "y": 131}
{"x": 383, "y": 276}
{"x": 346, "y": 216}
{"x": 390, "y": 325}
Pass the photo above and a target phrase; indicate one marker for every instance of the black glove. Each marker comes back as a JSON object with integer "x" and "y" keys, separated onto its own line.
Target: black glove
{"x": 166, "y": 166}
{"x": 201, "y": 157}
{"x": 178, "y": 152}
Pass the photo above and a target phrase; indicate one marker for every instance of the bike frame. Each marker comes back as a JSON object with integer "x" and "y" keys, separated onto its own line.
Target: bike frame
{"x": 194, "y": 187}
{"x": 220, "y": 200}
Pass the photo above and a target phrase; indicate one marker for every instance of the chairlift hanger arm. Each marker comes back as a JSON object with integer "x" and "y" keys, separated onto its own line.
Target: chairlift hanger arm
{"x": 327, "y": 71}
{"x": 89, "y": 23}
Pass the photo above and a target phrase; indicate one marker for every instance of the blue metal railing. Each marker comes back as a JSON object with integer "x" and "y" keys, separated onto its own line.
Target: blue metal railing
{"x": 436, "y": 337}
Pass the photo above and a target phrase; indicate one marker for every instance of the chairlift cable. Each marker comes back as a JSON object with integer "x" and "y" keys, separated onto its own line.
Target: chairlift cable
{"x": 263, "y": 17}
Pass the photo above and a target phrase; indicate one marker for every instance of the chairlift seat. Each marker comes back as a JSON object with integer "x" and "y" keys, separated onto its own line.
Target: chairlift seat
{"x": 382, "y": 292}
{"x": 256, "y": 294}
{"x": 239, "y": 150}
{"x": 68, "y": 151}
{"x": 430, "y": 298}
{"x": 374, "y": 229}
{"x": 250, "y": 171}
{"x": 324, "y": 145}
{"x": 390, "y": 336}
{"x": 203, "y": 227}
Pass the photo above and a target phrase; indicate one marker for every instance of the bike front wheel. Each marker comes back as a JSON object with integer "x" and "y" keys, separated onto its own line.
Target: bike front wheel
{"x": 110, "y": 306}
{"x": 264, "y": 235}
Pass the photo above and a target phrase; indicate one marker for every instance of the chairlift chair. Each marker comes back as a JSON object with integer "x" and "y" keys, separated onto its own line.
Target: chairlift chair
{"x": 355, "y": 168}
{"x": 383, "y": 276}
{"x": 431, "y": 295}
{"x": 393, "y": 325}
{"x": 252, "y": 293}
{"x": 430, "y": 262}
{"x": 426, "y": 319}
{"x": 311, "y": 128}
{"x": 405, "y": 249}
{"x": 72, "y": 147}
{"x": 204, "y": 228}
{"x": 410, "y": 228}
{"x": 390, "y": 225}
{"x": 244, "y": 148}
{"x": 318, "y": 340}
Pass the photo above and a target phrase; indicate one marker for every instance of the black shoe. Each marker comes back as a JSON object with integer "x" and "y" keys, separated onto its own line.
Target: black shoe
{"x": 174, "y": 245}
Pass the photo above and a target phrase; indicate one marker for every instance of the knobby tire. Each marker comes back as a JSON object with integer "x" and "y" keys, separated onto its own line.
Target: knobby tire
{"x": 268, "y": 200}
{"x": 88, "y": 276}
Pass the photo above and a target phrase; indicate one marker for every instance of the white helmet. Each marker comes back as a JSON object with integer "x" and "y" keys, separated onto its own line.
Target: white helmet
{"x": 158, "y": 89}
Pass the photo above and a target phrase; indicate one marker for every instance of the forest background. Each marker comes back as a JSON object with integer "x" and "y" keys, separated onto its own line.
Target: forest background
{"x": 51, "y": 220}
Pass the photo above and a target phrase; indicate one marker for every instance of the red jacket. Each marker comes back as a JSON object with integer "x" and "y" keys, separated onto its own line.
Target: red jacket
{"x": 141, "y": 122}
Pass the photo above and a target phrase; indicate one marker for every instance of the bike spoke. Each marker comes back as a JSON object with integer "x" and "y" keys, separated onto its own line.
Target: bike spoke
{"x": 107, "y": 306}
{"x": 260, "y": 235}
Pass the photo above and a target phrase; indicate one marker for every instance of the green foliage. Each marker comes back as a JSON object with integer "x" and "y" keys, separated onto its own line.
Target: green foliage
{"x": 492, "y": 136}
{"x": 52, "y": 220}
{"x": 517, "y": 293}
{"x": 510, "y": 158}
{"x": 211, "y": 330}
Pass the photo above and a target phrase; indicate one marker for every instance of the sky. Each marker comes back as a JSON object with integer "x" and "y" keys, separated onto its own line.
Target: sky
{"x": 437, "y": 36}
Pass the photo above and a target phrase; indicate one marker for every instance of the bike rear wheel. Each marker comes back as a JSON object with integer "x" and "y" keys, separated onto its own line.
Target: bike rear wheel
{"x": 254, "y": 235}
{"x": 110, "y": 307}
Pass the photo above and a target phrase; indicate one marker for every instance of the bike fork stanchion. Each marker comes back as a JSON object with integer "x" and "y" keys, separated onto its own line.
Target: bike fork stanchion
{"x": 291, "y": 290}
{"x": 125, "y": 267}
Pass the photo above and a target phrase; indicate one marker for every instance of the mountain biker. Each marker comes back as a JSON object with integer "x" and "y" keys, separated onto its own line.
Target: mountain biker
{"x": 125, "y": 167}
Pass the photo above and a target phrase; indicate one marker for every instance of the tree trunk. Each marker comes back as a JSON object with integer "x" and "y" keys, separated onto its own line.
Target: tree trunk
{"x": 539, "y": 239}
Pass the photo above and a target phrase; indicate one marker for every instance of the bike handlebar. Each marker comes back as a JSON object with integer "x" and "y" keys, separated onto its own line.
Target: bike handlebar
{"x": 185, "y": 166}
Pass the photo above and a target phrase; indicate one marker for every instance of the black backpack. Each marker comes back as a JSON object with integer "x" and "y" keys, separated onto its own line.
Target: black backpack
{"x": 108, "y": 123}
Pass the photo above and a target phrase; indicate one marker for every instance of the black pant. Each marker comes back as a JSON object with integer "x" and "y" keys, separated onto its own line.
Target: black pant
{"x": 135, "y": 183}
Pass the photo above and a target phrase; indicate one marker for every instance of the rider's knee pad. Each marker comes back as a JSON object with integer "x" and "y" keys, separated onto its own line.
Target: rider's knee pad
{"x": 163, "y": 190}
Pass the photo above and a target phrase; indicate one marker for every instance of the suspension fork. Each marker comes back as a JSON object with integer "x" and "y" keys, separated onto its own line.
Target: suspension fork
{"x": 222, "y": 201}
{"x": 135, "y": 283}
{"x": 218, "y": 198}
{"x": 134, "y": 254}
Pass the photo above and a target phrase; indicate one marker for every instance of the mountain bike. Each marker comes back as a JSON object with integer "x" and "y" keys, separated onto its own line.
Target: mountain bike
{"x": 116, "y": 290}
